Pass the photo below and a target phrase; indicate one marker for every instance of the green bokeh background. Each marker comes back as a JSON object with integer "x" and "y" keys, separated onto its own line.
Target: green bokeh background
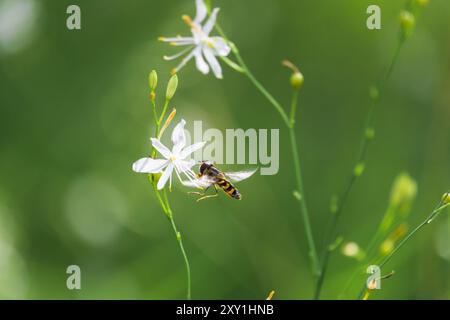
{"x": 75, "y": 115}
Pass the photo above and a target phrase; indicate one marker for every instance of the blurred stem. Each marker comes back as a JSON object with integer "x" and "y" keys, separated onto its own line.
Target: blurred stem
{"x": 289, "y": 122}
{"x": 180, "y": 243}
{"x": 366, "y": 138}
{"x": 427, "y": 221}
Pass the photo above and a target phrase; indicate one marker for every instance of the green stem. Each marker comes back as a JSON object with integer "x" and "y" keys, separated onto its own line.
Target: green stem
{"x": 366, "y": 138}
{"x": 427, "y": 221}
{"x": 163, "y": 112}
{"x": 289, "y": 122}
{"x": 180, "y": 244}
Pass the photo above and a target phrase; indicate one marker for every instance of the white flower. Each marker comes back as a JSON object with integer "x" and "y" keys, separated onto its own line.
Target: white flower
{"x": 173, "y": 160}
{"x": 203, "y": 46}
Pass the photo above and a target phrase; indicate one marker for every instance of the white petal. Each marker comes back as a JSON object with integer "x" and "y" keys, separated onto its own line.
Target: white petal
{"x": 179, "y": 54}
{"x": 179, "y": 40}
{"x": 178, "y": 137}
{"x": 185, "y": 60}
{"x": 202, "y": 66}
{"x": 186, "y": 166}
{"x": 201, "y": 11}
{"x": 192, "y": 148}
{"x": 165, "y": 176}
{"x": 149, "y": 165}
{"x": 221, "y": 47}
{"x": 209, "y": 25}
{"x": 161, "y": 148}
{"x": 212, "y": 60}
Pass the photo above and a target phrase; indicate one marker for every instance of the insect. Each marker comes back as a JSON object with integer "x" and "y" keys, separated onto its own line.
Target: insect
{"x": 209, "y": 175}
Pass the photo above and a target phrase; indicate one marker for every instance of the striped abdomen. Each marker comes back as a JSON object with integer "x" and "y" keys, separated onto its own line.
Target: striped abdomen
{"x": 228, "y": 188}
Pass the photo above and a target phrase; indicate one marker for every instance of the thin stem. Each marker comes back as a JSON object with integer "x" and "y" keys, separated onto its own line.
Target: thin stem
{"x": 163, "y": 112}
{"x": 261, "y": 89}
{"x": 180, "y": 244}
{"x": 366, "y": 138}
{"x": 427, "y": 221}
{"x": 289, "y": 122}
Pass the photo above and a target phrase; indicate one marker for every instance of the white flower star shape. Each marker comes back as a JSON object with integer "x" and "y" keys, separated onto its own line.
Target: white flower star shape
{"x": 202, "y": 46}
{"x": 175, "y": 160}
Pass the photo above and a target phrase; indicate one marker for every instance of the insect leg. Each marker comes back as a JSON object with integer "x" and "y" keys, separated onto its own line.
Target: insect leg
{"x": 209, "y": 196}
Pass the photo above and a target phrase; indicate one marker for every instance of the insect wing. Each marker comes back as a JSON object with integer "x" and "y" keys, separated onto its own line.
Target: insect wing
{"x": 202, "y": 182}
{"x": 239, "y": 175}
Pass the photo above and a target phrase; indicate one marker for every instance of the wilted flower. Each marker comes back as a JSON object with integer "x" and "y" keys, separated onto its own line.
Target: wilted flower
{"x": 174, "y": 160}
{"x": 202, "y": 46}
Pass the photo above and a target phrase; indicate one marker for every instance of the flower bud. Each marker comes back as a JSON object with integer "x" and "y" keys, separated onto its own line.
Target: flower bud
{"x": 153, "y": 80}
{"x": 374, "y": 94}
{"x": 172, "y": 87}
{"x": 359, "y": 169}
{"x": 403, "y": 191}
{"x": 422, "y": 3}
{"x": 446, "y": 198}
{"x": 407, "y": 23}
{"x": 297, "y": 80}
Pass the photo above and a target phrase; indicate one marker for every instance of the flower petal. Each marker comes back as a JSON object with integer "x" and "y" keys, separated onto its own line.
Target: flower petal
{"x": 165, "y": 176}
{"x": 177, "y": 55}
{"x": 185, "y": 60}
{"x": 192, "y": 148}
{"x": 201, "y": 11}
{"x": 221, "y": 47}
{"x": 209, "y": 25}
{"x": 149, "y": 165}
{"x": 202, "y": 66}
{"x": 180, "y": 41}
{"x": 212, "y": 60}
{"x": 178, "y": 137}
{"x": 165, "y": 152}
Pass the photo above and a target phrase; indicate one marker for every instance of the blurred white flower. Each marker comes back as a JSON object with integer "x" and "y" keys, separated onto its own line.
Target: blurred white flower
{"x": 201, "y": 45}
{"x": 173, "y": 160}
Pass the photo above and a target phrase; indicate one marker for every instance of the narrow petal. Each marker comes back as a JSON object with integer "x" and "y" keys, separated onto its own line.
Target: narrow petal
{"x": 165, "y": 176}
{"x": 149, "y": 165}
{"x": 184, "y": 165}
{"x": 192, "y": 148}
{"x": 178, "y": 40}
{"x": 162, "y": 149}
{"x": 185, "y": 60}
{"x": 179, "y": 54}
{"x": 202, "y": 66}
{"x": 201, "y": 11}
{"x": 221, "y": 47}
{"x": 209, "y": 25}
{"x": 212, "y": 60}
{"x": 178, "y": 137}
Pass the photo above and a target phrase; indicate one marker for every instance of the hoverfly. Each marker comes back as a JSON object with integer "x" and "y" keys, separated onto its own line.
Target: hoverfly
{"x": 209, "y": 175}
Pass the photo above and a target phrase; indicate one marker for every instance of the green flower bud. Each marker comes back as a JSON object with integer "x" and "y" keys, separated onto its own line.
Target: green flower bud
{"x": 407, "y": 22}
{"x": 446, "y": 198}
{"x": 374, "y": 94}
{"x": 297, "y": 80}
{"x": 153, "y": 80}
{"x": 172, "y": 87}
{"x": 422, "y": 3}
{"x": 359, "y": 169}
{"x": 403, "y": 191}
{"x": 370, "y": 133}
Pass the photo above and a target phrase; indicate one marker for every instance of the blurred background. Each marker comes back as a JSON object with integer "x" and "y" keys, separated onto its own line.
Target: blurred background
{"x": 75, "y": 114}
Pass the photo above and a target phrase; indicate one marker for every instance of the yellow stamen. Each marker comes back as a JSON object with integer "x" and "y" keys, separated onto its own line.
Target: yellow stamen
{"x": 188, "y": 20}
{"x": 173, "y": 71}
{"x": 161, "y": 39}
